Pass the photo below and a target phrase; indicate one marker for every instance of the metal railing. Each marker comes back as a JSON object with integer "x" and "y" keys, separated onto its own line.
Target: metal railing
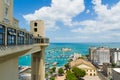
{"x": 44, "y": 40}
{"x": 10, "y": 49}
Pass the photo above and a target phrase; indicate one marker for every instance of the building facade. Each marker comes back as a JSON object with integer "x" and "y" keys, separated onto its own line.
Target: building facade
{"x": 115, "y": 56}
{"x": 116, "y": 74}
{"x": 91, "y": 50}
{"x": 85, "y": 65}
{"x": 100, "y": 55}
{"x": 107, "y": 69}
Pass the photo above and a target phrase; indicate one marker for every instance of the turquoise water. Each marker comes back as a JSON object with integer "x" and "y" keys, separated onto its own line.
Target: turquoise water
{"x": 54, "y": 53}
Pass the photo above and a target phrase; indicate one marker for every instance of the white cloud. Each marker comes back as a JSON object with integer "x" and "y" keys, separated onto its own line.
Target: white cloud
{"x": 60, "y": 10}
{"x": 106, "y": 20}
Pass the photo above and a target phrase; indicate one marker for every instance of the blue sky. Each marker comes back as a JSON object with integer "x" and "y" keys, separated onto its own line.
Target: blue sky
{"x": 73, "y": 20}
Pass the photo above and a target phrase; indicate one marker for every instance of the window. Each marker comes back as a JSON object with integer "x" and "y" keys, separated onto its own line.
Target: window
{"x": 35, "y": 40}
{"x": 11, "y": 36}
{"x": 7, "y": 2}
{"x": 35, "y": 29}
{"x": 6, "y": 12}
{"x": 38, "y": 35}
{"x": 26, "y": 38}
{"x": 31, "y": 39}
{"x": 90, "y": 74}
{"x": 2, "y": 35}
{"x": 35, "y": 24}
{"x": 20, "y": 37}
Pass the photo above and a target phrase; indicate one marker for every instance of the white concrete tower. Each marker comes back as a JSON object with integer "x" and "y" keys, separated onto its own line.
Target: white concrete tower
{"x": 38, "y": 65}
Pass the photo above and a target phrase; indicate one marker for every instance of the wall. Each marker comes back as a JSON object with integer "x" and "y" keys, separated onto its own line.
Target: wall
{"x": 9, "y": 69}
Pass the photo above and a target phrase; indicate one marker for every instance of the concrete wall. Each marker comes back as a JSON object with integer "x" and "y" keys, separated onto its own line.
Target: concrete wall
{"x": 3, "y": 6}
{"x": 9, "y": 69}
{"x": 40, "y": 28}
{"x": 116, "y": 74}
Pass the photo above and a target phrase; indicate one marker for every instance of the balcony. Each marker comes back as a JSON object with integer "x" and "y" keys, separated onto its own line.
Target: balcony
{"x": 44, "y": 41}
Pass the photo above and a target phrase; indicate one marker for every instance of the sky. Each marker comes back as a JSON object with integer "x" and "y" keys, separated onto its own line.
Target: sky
{"x": 72, "y": 20}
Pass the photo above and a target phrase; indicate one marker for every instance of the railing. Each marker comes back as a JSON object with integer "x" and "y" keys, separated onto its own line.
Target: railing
{"x": 10, "y": 49}
{"x": 44, "y": 40}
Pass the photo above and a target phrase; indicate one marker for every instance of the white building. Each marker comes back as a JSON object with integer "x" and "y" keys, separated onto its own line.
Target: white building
{"x": 116, "y": 74}
{"x": 101, "y": 55}
{"x": 91, "y": 50}
{"x": 115, "y": 56}
{"x": 76, "y": 56}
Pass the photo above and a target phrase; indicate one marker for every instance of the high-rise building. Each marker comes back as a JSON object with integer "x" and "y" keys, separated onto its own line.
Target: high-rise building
{"x": 116, "y": 74}
{"x": 100, "y": 55}
{"x": 91, "y": 50}
{"x": 115, "y": 56}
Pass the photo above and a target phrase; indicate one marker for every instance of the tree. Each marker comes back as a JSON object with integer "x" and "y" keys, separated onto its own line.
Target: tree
{"x": 67, "y": 66}
{"x": 70, "y": 76}
{"x": 113, "y": 65}
{"x": 53, "y": 69}
{"x": 52, "y": 78}
{"x": 78, "y": 72}
{"x": 60, "y": 71}
{"x": 70, "y": 60}
{"x": 46, "y": 75}
{"x": 87, "y": 55}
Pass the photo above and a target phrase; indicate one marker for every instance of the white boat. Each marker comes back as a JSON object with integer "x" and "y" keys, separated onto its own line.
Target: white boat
{"x": 66, "y": 49}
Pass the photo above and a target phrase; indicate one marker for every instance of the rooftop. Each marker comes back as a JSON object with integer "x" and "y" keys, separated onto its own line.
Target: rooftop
{"x": 117, "y": 70}
{"x": 79, "y": 62}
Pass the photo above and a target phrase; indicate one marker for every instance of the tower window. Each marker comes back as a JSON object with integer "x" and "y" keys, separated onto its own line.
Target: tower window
{"x": 35, "y": 24}
{"x": 6, "y": 12}
{"x": 35, "y": 29}
{"x": 38, "y": 35}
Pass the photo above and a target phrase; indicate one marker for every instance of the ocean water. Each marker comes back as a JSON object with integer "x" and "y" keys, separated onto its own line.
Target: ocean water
{"x": 53, "y": 52}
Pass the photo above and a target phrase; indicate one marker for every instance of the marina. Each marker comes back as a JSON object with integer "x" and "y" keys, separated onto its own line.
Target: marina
{"x": 55, "y": 54}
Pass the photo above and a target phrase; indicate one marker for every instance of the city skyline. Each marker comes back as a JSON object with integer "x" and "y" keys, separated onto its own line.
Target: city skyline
{"x": 73, "y": 20}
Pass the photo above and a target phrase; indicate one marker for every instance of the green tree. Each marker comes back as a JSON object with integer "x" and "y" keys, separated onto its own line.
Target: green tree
{"x": 53, "y": 69}
{"x": 113, "y": 65}
{"x": 52, "y": 78}
{"x": 78, "y": 72}
{"x": 60, "y": 71}
{"x": 46, "y": 75}
{"x": 70, "y": 60}
{"x": 70, "y": 76}
{"x": 87, "y": 55}
{"x": 67, "y": 66}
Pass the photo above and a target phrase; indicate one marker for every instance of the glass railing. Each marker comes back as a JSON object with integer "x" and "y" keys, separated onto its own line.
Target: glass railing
{"x": 44, "y": 40}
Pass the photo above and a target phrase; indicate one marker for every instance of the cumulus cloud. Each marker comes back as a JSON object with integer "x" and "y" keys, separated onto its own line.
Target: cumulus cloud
{"x": 106, "y": 20}
{"x": 60, "y": 10}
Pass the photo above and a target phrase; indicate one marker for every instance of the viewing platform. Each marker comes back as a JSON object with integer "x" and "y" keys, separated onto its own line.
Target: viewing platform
{"x": 22, "y": 49}
{"x": 15, "y": 42}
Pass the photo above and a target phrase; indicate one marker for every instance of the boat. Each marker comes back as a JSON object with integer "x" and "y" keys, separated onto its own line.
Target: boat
{"x": 66, "y": 49}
